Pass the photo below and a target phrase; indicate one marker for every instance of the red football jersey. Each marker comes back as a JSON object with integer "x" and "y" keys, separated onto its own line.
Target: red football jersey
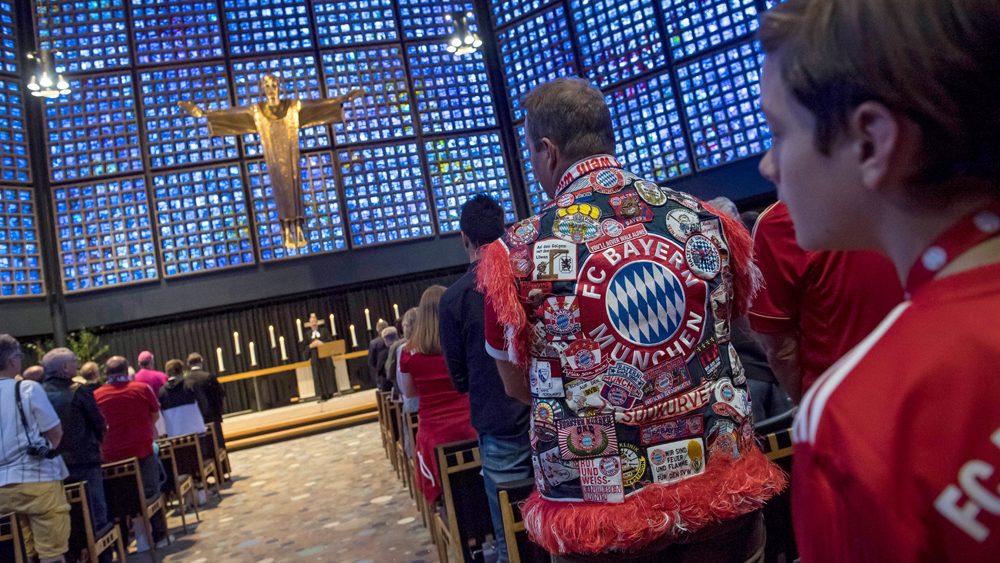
{"x": 832, "y": 299}
{"x": 897, "y": 446}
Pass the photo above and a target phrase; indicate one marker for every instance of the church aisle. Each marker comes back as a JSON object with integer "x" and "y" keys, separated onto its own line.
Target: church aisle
{"x": 331, "y": 497}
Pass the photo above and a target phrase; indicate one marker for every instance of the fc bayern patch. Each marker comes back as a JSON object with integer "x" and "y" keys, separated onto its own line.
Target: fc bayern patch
{"x": 582, "y": 359}
{"x": 677, "y": 461}
{"x": 667, "y": 378}
{"x": 524, "y": 232}
{"x": 540, "y": 483}
{"x": 612, "y": 228}
{"x": 546, "y": 378}
{"x": 623, "y": 385}
{"x": 554, "y": 260}
{"x": 683, "y": 199}
{"x": 577, "y": 223}
{"x": 565, "y": 200}
{"x": 633, "y": 464}
{"x": 682, "y": 223}
{"x": 711, "y": 361}
{"x": 562, "y": 318}
{"x": 520, "y": 262}
{"x": 601, "y": 479}
{"x": 672, "y": 430}
{"x": 545, "y": 413}
{"x": 702, "y": 256}
{"x": 606, "y": 181}
{"x": 650, "y": 192}
{"x": 724, "y": 439}
{"x": 582, "y": 438}
{"x": 630, "y": 209}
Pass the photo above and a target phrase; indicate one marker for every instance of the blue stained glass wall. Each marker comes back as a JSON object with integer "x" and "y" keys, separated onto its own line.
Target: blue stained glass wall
{"x": 506, "y": 11}
{"x": 385, "y": 194}
{"x": 9, "y": 56}
{"x": 721, "y": 98}
{"x": 384, "y": 112}
{"x": 351, "y": 22}
{"x": 88, "y": 36}
{"x": 14, "y": 163}
{"x": 452, "y": 93}
{"x": 694, "y": 26}
{"x": 20, "y": 252}
{"x": 265, "y": 26}
{"x": 172, "y": 31}
{"x": 537, "y": 198}
{"x": 462, "y": 167}
{"x": 324, "y": 228}
{"x": 618, "y": 39}
{"x": 173, "y": 137}
{"x": 104, "y": 234}
{"x": 430, "y": 18}
{"x": 202, "y": 220}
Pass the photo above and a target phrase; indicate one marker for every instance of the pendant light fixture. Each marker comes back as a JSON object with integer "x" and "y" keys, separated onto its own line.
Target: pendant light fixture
{"x": 45, "y": 81}
{"x": 463, "y": 41}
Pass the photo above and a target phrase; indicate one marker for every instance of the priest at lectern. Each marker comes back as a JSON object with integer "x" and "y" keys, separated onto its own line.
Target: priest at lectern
{"x": 324, "y": 377}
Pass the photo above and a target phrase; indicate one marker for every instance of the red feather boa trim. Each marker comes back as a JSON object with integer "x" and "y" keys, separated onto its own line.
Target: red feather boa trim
{"x": 495, "y": 279}
{"x": 726, "y": 490}
{"x": 746, "y": 275}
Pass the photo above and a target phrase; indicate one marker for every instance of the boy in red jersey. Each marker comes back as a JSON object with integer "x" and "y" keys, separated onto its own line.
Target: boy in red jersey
{"x": 886, "y": 136}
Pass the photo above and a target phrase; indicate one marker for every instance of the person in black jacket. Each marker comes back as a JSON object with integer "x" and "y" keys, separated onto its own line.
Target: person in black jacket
{"x": 83, "y": 431}
{"x": 201, "y": 381}
{"x": 324, "y": 378}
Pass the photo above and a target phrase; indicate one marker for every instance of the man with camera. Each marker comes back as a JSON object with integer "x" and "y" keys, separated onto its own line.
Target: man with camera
{"x": 31, "y": 472}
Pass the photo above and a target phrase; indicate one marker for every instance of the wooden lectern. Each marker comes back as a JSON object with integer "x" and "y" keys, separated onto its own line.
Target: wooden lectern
{"x": 332, "y": 350}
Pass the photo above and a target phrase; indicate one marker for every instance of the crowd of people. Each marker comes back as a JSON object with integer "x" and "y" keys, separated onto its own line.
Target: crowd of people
{"x": 59, "y": 424}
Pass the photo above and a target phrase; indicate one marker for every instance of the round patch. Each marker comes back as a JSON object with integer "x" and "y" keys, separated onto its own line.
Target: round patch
{"x": 609, "y": 466}
{"x": 633, "y": 464}
{"x": 657, "y": 457}
{"x": 524, "y": 232}
{"x": 565, "y": 200}
{"x": 617, "y": 396}
{"x": 606, "y": 181}
{"x": 682, "y": 223}
{"x": 612, "y": 228}
{"x": 650, "y": 192}
{"x": 702, "y": 256}
{"x": 546, "y": 413}
{"x": 725, "y": 392}
{"x": 645, "y": 303}
{"x": 520, "y": 262}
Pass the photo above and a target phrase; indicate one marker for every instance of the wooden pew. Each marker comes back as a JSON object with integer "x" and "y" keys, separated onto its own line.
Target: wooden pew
{"x": 399, "y": 451}
{"x": 190, "y": 460}
{"x": 11, "y": 544}
{"x": 519, "y": 548}
{"x": 217, "y": 453}
{"x": 126, "y": 498}
{"x": 82, "y": 533}
{"x": 178, "y": 486}
{"x": 394, "y": 434}
{"x": 381, "y": 402}
{"x": 464, "y": 523}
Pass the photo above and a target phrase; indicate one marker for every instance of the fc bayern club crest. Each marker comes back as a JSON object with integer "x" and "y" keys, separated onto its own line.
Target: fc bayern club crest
{"x": 702, "y": 256}
{"x": 524, "y": 232}
{"x": 562, "y": 318}
{"x": 612, "y": 228}
{"x": 606, "y": 181}
{"x": 641, "y": 303}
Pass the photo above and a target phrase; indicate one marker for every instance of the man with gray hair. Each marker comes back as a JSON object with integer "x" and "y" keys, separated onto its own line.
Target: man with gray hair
{"x": 83, "y": 430}
{"x": 375, "y": 348}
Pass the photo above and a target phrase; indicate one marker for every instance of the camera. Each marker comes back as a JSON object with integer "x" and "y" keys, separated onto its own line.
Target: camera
{"x": 42, "y": 452}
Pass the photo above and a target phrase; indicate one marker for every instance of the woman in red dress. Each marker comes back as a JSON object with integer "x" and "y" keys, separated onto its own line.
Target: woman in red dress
{"x": 444, "y": 413}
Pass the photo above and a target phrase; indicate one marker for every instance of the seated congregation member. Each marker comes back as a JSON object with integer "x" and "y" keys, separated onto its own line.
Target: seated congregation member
{"x": 444, "y": 414}
{"x": 598, "y": 313}
{"x": 389, "y": 336}
{"x": 83, "y": 430}
{"x": 34, "y": 373}
{"x": 31, "y": 473}
{"x": 179, "y": 401}
{"x": 207, "y": 385}
{"x": 895, "y": 147}
{"x": 90, "y": 376}
{"x": 131, "y": 409}
{"x": 500, "y": 421}
{"x": 148, "y": 375}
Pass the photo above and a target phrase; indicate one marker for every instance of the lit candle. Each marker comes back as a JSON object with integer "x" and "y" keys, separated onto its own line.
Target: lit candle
{"x": 236, "y": 342}
{"x": 368, "y": 319}
{"x": 253, "y": 355}
{"x": 284, "y": 354}
{"x": 395, "y": 309}
{"x": 333, "y": 327}
{"x": 298, "y": 325}
{"x": 218, "y": 354}
{"x": 270, "y": 329}
{"x": 354, "y": 337}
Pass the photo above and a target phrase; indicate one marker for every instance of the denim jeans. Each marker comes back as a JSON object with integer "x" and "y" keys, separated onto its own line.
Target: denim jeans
{"x": 94, "y": 476}
{"x": 504, "y": 459}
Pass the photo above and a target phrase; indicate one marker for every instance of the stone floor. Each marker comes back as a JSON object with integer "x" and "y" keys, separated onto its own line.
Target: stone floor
{"x": 332, "y": 497}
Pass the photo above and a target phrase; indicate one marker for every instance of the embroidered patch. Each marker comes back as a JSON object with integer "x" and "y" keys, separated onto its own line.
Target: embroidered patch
{"x": 562, "y": 318}
{"x": 712, "y": 228}
{"x": 584, "y": 397}
{"x": 601, "y": 479}
{"x": 682, "y": 223}
{"x": 708, "y": 355}
{"x": 671, "y": 430}
{"x": 520, "y": 261}
{"x": 565, "y": 200}
{"x": 665, "y": 379}
{"x": 627, "y": 233}
{"x": 577, "y": 223}
{"x": 677, "y": 405}
{"x": 723, "y": 439}
{"x": 625, "y": 376}
{"x": 524, "y": 232}
{"x": 606, "y": 181}
{"x": 592, "y": 436}
{"x": 540, "y": 482}
{"x": 557, "y": 470}
{"x": 677, "y": 461}
{"x": 702, "y": 256}
{"x": 683, "y": 199}
{"x": 583, "y": 196}
{"x": 546, "y": 378}
{"x": 721, "y": 312}
{"x": 545, "y": 414}
{"x": 633, "y": 464}
{"x": 611, "y": 228}
{"x": 582, "y": 359}
{"x": 528, "y": 288}
{"x": 650, "y": 192}
{"x": 629, "y": 208}
{"x": 554, "y": 260}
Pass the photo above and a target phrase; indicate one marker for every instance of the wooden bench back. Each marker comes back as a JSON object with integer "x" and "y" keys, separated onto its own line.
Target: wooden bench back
{"x": 123, "y": 489}
{"x": 519, "y": 548}
{"x": 464, "y": 494}
{"x": 11, "y": 545}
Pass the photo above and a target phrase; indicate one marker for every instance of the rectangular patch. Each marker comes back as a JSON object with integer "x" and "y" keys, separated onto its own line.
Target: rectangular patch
{"x": 601, "y": 479}
{"x": 631, "y": 232}
{"x": 678, "y": 405}
{"x": 554, "y": 260}
{"x": 546, "y": 378}
{"x": 555, "y": 469}
{"x": 526, "y": 287}
{"x": 671, "y": 430}
{"x": 584, "y": 396}
{"x": 592, "y": 436}
{"x": 540, "y": 483}
{"x": 665, "y": 379}
{"x": 677, "y": 461}
{"x": 711, "y": 361}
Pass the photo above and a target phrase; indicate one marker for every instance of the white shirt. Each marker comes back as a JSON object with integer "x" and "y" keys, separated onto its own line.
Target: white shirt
{"x": 16, "y": 466}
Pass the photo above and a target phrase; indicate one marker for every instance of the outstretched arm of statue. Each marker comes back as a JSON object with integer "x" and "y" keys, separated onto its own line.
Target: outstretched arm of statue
{"x": 230, "y": 121}
{"x": 320, "y": 112}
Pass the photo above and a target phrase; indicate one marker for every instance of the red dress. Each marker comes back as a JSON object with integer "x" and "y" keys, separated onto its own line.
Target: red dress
{"x": 444, "y": 416}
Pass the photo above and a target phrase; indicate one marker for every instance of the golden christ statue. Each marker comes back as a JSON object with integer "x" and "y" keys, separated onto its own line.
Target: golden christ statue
{"x": 278, "y": 121}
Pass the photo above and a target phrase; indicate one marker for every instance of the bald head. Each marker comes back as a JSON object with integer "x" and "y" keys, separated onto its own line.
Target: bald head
{"x": 116, "y": 368}
{"x": 34, "y": 373}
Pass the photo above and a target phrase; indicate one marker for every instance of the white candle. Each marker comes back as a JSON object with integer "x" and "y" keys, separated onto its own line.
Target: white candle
{"x": 284, "y": 354}
{"x": 333, "y": 327}
{"x": 354, "y": 337}
{"x": 218, "y": 354}
{"x": 298, "y": 325}
{"x": 368, "y": 320}
{"x": 236, "y": 342}
{"x": 395, "y": 309}
{"x": 270, "y": 329}
{"x": 253, "y": 355}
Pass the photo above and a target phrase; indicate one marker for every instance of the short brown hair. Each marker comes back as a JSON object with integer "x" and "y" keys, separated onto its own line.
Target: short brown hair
{"x": 934, "y": 61}
{"x": 573, "y": 115}
{"x": 195, "y": 359}
{"x": 425, "y": 338}
{"x": 174, "y": 368}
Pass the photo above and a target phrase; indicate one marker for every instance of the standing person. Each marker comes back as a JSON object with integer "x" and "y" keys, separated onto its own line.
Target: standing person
{"x": 148, "y": 375}
{"x": 179, "y": 403}
{"x": 375, "y": 347}
{"x": 500, "y": 421}
{"x": 610, "y": 313}
{"x": 83, "y": 431}
{"x": 131, "y": 411}
{"x": 814, "y": 306}
{"x": 324, "y": 378}
{"x": 389, "y": 336}
{"x": 34, "y": 373}
{"x": 213, "y": 406}
{"x": 410, "y": 404}
{"x": 444, "y": 414}
{"x": 895, "y": 147}
{"x": 90, "y": 376}
{"x": 31, "y": 477}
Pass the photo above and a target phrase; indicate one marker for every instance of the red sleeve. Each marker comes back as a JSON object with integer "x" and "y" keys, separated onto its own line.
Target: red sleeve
{"x": 783, "y": 265}
{"x": 404, "y": 360}
{"x": 147, "y": 393}
{"x": 496, "y": 343}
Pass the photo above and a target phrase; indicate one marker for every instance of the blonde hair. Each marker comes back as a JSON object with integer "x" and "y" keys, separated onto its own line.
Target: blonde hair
{"x": 425, "y": 338}
{"x": 409, "y": 322}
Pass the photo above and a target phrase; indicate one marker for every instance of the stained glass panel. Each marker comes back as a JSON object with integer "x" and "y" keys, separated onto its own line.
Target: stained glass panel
{"x": 87, "y": 36}
{"x": 535, "y": 51}
{"x": 462, "y": 167}
{"x": 343, "y": 22}
{"x": 9, "y": 56}
{"x": 429, "y": 18}
{"x": 384, "y": 113}
{"x": 506, "y": 11}
{"x": 694, "y": 26}
{"x": 14, "y": 163}
{"x": 265, "y": 26}
{"x": 618, "y": 39}
{"x": 452, "y": 91}
{"x": 20, "y": 250}
{"x": 172, "y": 31}
{"x": 537, "y": 197}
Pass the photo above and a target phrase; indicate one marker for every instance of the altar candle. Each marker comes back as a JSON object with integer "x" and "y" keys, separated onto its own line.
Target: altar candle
{"x": 284, "y": 354}
{"x": 333, "y": 327}
{"x": 270, "y": 329}
{"x": 253, "y": 355}
{"x": 395, "y": 309}
{"x": 298, "y": 325}
{"x": 354, "y": 337}
{"x": 368, "y": 319}
{"x": 236, "y": 342}
{"x": 218, "y": 354}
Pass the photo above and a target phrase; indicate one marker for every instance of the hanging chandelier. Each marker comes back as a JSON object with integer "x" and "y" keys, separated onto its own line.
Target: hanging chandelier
{"x": 46, "y": 82}
{"x": 463, "y": 41}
